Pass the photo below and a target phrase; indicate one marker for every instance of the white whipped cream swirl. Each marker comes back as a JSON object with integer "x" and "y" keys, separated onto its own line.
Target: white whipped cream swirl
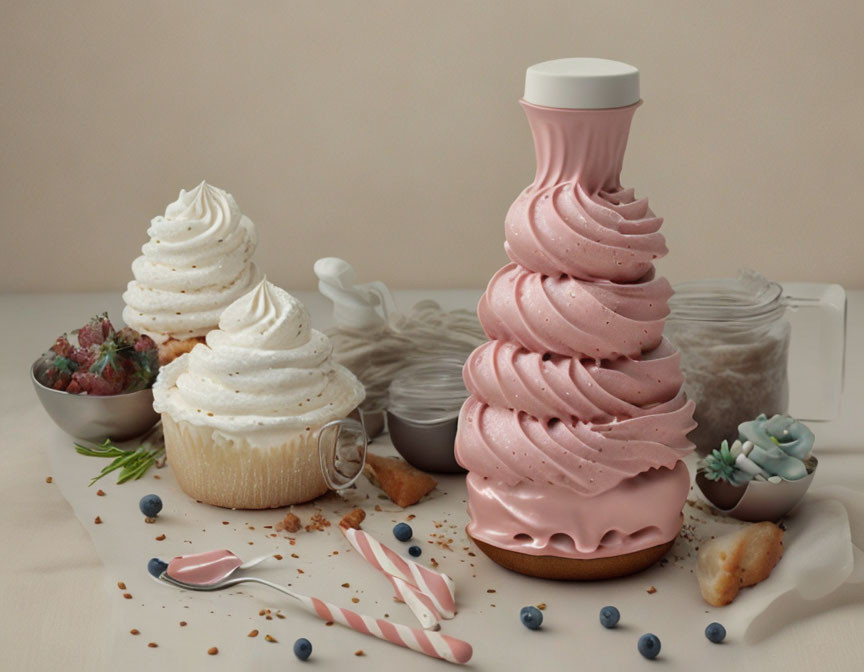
{"x": 198, "y": 261}
{"x": 265, "y": 371}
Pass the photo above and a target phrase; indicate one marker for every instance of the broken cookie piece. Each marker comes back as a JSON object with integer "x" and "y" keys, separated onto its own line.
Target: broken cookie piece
{"x": 290, "y": 523}
{"x": 402, "y": 483}
{"x": 737, "y": 560}
{"x": 353, "y": 519}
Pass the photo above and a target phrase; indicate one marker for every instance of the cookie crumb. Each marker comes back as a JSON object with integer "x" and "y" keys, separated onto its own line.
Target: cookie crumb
{"x": 212, "y": 651}
{"x": 318, "y": 523}
{"x": 127, "y": 596}
{"x": 152, "y": 645}
{"x": 134, "y": 631}
{"x": 121, "y": 585}
{"x": 290, "y": 523}
{"x": 491, "y": 590}
{"x": 355, "y": 600}
{"x": 353, "y": 519}
{"x": 183, "y": 624}
{"x": 161, "y": 537}
{"x": 100, "y": 493}
{"x": 253, "y": 633}
{"x": 278, "y": 556}
{"x": 651, "y": 590}
{"x": 49, "y": 479}
{"x": 359, "y": 652}
{"x": 97, "y": 520}
{"x": 346, "y": 585}
{"x": 541, "y": 606}
{"x": 270, "y": 639}
{"x": 329, "y": 623}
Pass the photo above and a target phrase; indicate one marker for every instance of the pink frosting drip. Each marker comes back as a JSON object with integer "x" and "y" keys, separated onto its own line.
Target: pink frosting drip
{"x": 576, "y": 424}
{"x": 540, "y": 519}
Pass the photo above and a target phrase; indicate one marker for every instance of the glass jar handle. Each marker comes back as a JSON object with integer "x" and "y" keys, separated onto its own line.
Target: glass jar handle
{"x": 817, "y": 352}
{"x": 342, "y": 451}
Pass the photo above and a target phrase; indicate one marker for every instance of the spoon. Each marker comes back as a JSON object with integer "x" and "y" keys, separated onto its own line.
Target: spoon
{"x": 205, "y": 569}
{"x": 432, "y": 644}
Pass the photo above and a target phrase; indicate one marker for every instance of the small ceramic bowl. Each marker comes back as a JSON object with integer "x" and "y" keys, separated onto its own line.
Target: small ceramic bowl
{"x": 119, "y": 417}
{"x": 426, "y": 445}
{"x": 756, "y": 501}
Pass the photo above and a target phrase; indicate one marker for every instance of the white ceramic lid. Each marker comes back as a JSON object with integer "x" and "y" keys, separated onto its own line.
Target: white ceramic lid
{"x": 582, "y": 84}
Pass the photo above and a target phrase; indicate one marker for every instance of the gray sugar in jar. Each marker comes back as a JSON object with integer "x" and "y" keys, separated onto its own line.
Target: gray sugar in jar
{"x": 734, "y": 341}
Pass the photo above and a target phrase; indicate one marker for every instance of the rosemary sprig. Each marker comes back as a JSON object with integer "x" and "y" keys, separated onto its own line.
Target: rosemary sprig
{"x": 132, "y": 463}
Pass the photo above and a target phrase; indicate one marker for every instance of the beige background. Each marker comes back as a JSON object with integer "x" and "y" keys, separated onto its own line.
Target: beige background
{"x": 389, "y": 133}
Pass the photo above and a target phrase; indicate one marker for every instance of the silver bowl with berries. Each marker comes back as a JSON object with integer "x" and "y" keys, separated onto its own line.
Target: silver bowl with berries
{"x": 97, "y": 385}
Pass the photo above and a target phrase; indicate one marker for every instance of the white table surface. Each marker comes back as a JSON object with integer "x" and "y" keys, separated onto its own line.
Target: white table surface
{"x": 59, "y": 609}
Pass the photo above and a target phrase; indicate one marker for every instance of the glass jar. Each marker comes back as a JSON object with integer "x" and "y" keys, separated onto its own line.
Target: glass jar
{"x": 734, "y": 337}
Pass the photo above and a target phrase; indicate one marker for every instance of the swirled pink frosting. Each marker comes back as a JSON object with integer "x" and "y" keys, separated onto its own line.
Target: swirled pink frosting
{"x": 576, "y": 424}
{"x": 563, "y": 229}
{"x": 576, "y": 318}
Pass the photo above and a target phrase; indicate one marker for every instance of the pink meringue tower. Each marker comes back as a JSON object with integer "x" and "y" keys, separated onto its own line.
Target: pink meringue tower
{"x": 577, "y": 424}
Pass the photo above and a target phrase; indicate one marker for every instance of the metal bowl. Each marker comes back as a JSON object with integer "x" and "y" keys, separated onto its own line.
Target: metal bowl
{"x": 427, "y": 446}
{"x": 119, "y": 417}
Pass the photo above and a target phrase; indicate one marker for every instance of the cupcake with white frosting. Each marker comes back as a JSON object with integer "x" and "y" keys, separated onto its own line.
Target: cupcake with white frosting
{"x": 198, "y": 260}
{"x": 242, "y": 411}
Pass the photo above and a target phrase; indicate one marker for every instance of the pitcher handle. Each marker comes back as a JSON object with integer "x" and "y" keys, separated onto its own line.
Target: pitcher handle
{"x": 342, "y": 448}
{"x": 817, "y": 313}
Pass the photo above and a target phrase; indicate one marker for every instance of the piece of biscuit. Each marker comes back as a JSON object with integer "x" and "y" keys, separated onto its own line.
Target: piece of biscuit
{"x": 737, "y": 560}
{"x": 402, "y": 483}
{"x": 172, "y": 349}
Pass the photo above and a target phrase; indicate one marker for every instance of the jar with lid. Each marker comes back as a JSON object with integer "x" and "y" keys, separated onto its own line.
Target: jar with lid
{"x": 734, "y": 338}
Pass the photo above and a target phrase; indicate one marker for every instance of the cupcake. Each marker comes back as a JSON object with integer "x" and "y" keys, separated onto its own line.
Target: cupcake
{"x": 242, "y": 411}
{"x": 198, "y": 261}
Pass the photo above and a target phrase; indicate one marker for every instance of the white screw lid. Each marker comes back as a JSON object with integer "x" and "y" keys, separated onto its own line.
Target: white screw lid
{"x": 582, "y": 84}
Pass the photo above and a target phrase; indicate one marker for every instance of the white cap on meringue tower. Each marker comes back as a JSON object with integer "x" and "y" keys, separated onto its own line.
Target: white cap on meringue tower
{"x": 582, "y": 84}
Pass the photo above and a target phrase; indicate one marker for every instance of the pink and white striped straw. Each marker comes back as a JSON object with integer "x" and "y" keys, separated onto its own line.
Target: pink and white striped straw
{"x": 432, "y": 644}
{"x": 423, "y": 589}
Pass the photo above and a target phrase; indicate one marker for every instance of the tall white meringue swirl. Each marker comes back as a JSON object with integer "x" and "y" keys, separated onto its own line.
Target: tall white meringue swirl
{"x": 198, "y": 260}
{"x": 264, "y": 371}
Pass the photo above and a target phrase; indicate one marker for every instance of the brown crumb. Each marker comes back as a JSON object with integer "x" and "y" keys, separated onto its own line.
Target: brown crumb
{"x": 121, "y": 585}
{"x": 651, "y": 590}
{"x": 359, "y": 652}
{"x": 183, "y": 624}
{"x": 541, "y": 606}
{"x": 225, "y": 522}
{"x": 253, "y": 633}
{"x": 152, "y": 645}
{"x": 410, "y": 517}
{"x": 290, "y": 523}
{"x": 157, "y": 476}
{"x": 134, "y": 631}
{"x": 262, "y": 612}
{"x": 100, "y": 493}
{"x": 353, "y": 519}
{"x": 346, "y": 585}
{"x": 318, "y": 523}
{"x": 212, "y": 651}
{"x": 355, "y": 600}
{"x": 278, "y": 615}
{"x": 300, "y": 571}
{"x": 295, "y": 556}
{"x": 270, "y": 639}
{"x": 378, "y": 508}
{"x": 97, "y": 520}
{"x": 269, "y": 617}
{"x": 491, "y": 590}
{"x": 127, "y": 596}
{"x": 161, "y": 537}
{"x": 49, "y": 479}
{"x": 329, "y": 623}
{"x": 277, "y": 556}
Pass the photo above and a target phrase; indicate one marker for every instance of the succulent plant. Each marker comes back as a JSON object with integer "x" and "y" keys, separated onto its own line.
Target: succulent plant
{"x": 719, "y": 465}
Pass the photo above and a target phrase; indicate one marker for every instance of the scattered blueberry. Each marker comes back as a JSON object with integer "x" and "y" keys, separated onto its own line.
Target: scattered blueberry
{"x": 303, "y": 648}
{"x": 715, "y": 633}
{"x": 156, "y": 567}
{"x": 150, "y": 505}
{"x": 609, "y": 617}
{"x": 531, "y": 617}
{"x": 649, "y": 646}
{"x": 415, "y": 551}
{"x": 403, "y": 531}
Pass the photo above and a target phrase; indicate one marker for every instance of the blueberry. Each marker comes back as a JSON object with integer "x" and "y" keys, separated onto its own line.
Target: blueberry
{"x": 303, "y": 648}
{"x": 531, "y": 617}
{"x": 609, "y": 617}
{"x": 403, "y": 531}
{"x": 649, "y": 646}
{"x": 156, "y": 567}
{"x": 150, "y": 505}
{"x": 715, "y": 633}
{"x": 415, "y": 551}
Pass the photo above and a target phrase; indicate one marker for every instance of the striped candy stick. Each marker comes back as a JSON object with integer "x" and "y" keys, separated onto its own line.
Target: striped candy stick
{"x": 433, "y": 644}
{"x": 432, "y": 589}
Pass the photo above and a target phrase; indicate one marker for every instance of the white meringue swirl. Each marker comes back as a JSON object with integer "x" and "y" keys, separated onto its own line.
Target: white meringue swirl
{"x": 198, "y": 261}
{"x": 264, "y": 370}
